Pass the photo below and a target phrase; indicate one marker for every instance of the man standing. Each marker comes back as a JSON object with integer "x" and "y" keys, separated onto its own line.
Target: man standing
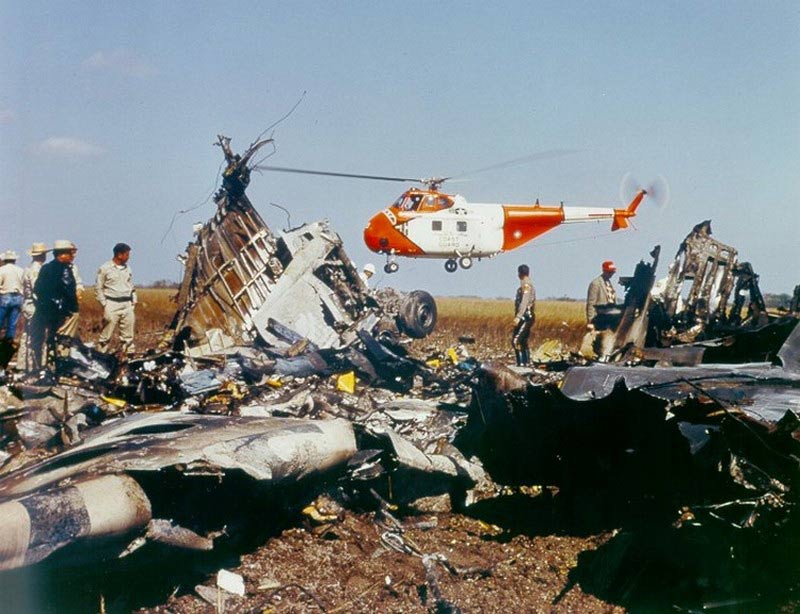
{"x": 38, "y": 254}
{"x": 55, "y": 301}
{"x": 524, "y": 315}
{"x": 597, "y": 343}
{"x": 601, "y": 291}
{"x": 115, "y": 292}
{"x": 10, "y": 303}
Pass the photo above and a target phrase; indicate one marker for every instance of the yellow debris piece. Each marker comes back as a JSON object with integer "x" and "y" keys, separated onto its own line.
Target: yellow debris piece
{"x": 113, "y": 401}
{"x": 318, "y": 516}
{"x": 274, "y": 382}
{"x": 346, "y": 382}
{"x": 452, "y": 355}
{"x": 434, "y": 363}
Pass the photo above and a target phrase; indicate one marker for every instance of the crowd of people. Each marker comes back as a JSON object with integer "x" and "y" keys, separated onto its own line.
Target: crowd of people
{"x": 47, "y": 296}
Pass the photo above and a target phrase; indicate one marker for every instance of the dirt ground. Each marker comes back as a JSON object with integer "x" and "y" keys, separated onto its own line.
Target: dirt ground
{"x": 343, "y": 567}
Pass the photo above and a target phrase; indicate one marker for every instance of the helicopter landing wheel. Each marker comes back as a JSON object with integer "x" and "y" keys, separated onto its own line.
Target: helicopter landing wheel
{"x": 391, "y": 267}
{"x": 450, "y": 266}
{"x": 465, "y": 262}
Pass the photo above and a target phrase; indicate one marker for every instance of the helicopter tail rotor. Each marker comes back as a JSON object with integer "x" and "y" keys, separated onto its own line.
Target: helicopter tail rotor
{"x": 657, "y": 191}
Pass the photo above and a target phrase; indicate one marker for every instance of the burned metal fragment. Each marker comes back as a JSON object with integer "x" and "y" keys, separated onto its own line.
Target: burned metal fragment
{"x": 111, "y": 495}
{"x": 722, "y": 440}
{"x": 244, "y": 283}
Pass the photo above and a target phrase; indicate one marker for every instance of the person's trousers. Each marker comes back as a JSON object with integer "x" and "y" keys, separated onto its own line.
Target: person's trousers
{"x": 519, "y": 341}
{"x": 44, "y": 328}
{"x": 25, "y": 361}
{"x": 117, "y": 314}
{"x": 10, "y": 306}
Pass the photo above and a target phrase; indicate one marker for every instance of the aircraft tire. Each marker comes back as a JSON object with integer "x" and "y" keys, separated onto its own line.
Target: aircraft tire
{"x": 465, "y": 262}
{"x": 450, "y": 266}
{"x": 391, "y": 267}
{"x": 417, "y": 316}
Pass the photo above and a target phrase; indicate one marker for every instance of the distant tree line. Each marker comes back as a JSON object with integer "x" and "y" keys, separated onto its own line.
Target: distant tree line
{"x": 773, "y": 301}
{"x": 162, "y": 283}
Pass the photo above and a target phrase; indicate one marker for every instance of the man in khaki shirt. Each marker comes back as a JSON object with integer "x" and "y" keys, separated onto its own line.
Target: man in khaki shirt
{"x": 115, "y": 292}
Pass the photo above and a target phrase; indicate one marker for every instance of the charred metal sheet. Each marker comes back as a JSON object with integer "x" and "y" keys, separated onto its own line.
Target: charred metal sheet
{"x": 723, "y": 440}
{"x": 789, "y": 353}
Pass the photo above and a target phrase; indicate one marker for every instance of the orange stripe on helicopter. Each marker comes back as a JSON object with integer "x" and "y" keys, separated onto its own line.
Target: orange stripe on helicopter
{"x": 381, "y": 235}
{"x": 523, "y": 223}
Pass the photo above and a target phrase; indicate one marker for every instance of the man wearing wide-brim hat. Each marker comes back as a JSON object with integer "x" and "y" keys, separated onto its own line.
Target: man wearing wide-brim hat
{"x": 10, "y": 304}
{"x": 55, "y": 300}
{"x": 38, "y": 254}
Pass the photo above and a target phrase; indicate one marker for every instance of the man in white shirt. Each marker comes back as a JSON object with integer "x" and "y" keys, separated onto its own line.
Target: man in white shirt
{"x": 10, "y": 294}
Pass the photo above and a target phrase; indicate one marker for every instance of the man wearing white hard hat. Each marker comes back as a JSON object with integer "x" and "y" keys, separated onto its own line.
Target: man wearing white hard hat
{"x": 38, "y": 254}
{"x": 10, "y": 303}
{"x": 56, "y": 301}
{"x": 367, "y": 272}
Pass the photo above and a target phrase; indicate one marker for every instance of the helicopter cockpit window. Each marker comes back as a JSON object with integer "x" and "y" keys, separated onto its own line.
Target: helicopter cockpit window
{"x": 408, "y": 203}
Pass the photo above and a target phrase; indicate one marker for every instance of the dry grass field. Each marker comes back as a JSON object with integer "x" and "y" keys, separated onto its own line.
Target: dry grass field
{"x": 488, "y": 321}
{"x": 153, "y": 314}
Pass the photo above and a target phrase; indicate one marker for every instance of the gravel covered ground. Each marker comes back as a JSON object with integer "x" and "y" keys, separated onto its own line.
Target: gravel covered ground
{"x": 345, "y": 567}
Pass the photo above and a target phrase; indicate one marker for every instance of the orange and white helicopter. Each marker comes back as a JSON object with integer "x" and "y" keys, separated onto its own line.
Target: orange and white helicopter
{"x": 427, "y": 223}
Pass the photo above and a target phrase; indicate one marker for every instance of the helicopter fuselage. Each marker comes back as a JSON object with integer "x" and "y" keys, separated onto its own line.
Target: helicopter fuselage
{"x": 430, "y": 224}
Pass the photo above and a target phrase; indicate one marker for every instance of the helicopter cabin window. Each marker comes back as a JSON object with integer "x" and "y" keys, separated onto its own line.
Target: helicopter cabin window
{"x": 461, "y": 226}
{"x": 436, "y": 225}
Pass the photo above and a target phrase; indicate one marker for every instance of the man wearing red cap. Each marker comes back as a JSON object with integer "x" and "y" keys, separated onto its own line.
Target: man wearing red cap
{"x": 601, "y": 291}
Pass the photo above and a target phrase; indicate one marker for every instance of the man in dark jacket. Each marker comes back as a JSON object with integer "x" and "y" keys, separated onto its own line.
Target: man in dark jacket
{"x": 56, "y": 300}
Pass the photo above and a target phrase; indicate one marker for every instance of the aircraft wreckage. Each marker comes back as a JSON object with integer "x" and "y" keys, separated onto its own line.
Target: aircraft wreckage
{"x": 690, "y": 416}
{"x": 258, "y": 315}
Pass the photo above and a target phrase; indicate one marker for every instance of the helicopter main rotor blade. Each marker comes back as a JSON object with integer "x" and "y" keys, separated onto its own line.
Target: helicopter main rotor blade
{"x": 541, "y": 155}
{"x": 284, "y": 169}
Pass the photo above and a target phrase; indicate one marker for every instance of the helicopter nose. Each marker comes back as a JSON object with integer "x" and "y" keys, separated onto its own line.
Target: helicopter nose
{"x": 375, "y": 233}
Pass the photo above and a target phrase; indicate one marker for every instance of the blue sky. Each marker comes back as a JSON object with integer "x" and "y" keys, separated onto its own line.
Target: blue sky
{"x": 108, "y": 111}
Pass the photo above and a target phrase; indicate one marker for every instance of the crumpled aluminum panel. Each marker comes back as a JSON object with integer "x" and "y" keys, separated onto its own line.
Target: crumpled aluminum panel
{"x": 272, "y": 449}
{"x": 239, "y": 276}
